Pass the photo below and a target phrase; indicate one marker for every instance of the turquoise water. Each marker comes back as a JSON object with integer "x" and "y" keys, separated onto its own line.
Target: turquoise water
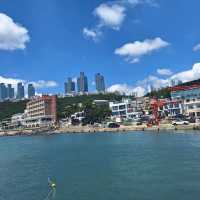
{"x": 133, "y": 166}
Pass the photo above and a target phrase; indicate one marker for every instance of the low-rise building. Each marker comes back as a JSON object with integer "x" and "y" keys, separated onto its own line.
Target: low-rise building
{"x": 101, "y": 102}
{"x": 41, "y": 111}
{"x": 172, "y": 108}
{"x": 18, "y": 119}
{"x": 126, "y": 109}
{"x": 190, "y": 95}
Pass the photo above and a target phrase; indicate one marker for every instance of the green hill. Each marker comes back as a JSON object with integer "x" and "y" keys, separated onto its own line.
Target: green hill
{"x": 162, "y": 93}
{"x": 65, "y": 106}
{"x": 7, "y": 109}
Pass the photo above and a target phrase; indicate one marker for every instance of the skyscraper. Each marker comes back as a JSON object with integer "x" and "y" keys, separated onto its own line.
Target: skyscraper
{"x": 69, "y": 86}
{"x": 20, "y": 91}
{"x": 3, "y": 92}
{"x": 82, "y": 83}
{"x": 31, "y": 90}
{"x": 10, "y": 91}
{"x": 100, "y": 83}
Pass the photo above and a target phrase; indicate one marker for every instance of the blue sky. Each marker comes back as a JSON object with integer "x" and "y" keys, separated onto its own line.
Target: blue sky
{"x": 133, "y": 43}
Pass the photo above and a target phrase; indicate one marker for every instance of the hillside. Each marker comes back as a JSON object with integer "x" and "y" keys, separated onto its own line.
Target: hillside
{"x": 162, "y": 93}
{"x": 7, "y": 109}
{"x": 65, "y": 106}
{"x": 68, "y": 105}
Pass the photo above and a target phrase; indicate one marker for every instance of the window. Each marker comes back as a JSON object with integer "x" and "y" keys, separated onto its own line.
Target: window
{"x": 190, "y": 106}
{"x": 122, "y": 112}
{"x": 115, "y": 108}
{"x": 115, "y": 113}
{"x": 198, "y": 114}
{"x": 122, "y": 107}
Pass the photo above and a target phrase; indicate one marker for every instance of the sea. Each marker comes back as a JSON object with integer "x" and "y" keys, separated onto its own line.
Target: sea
{"x": 101, "y": 166}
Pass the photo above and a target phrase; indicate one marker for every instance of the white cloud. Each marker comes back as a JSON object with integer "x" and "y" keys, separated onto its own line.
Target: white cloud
{"x": 10, "y": 80}
{"x": 196, "y": 47}
{"x": 133, "y": 51}
{"x": 138, "y": 2}
{"x": 110, "y": 15}
{"x": 44, "y": 84}
{"x": 126, "y": 89}
{"x": 143, "y": 86}
{"x": 188, "y": 75}
{"x": 153, "y": 81}
{"x": 91, "y": 33}
{"x": 38, "y": 84}
{"x": 164, "y": 71}
{"x": 12, "y": 35}
{"x": 74, "y": 79}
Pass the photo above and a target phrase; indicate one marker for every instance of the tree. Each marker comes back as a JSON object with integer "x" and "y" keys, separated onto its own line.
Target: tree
{"x": 95, "y": 114}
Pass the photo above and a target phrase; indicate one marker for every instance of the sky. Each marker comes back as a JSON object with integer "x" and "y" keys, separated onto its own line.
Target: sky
{"x": 133, "y": 43}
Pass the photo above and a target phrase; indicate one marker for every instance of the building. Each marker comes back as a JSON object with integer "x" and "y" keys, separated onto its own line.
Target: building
{"x": 82, "y": 83}
{"x": 41, "y": 111}
{"x": 126, "y": 109}
{"x": 10, "y": 92}
{"x": 100, "y": 83}
{"x": 3, "y": 92}
{"x": 18, "y": 119}
{"x": 70, "y": 87}
{"x": 171, "y": 108}
{"x": 6, "y": 92}
{"x": 190, "y": 95}
{"x": 101, "y": 102}
{"x": 172, "y": 82}
{"x": 31, "y": 91}
{"x": 20, "y": 91}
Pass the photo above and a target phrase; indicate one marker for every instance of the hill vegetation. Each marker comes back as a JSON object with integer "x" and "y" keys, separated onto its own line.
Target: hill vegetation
{"x": 162, "y": 93}
{"x": 7, "y": 109}
{"x": 69, "y": 105}
{"x": 65, "y": 106}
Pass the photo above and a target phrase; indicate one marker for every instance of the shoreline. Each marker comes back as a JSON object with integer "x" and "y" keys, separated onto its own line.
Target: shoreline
{"x": 92, "y": 130}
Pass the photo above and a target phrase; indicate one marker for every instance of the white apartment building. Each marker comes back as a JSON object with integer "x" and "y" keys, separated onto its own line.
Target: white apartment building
{"x": 126, "y": 109}
{"x": 172, "y": 108}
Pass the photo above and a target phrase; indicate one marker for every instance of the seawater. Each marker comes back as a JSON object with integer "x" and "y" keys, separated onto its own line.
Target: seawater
{"x": 101, "y": 166}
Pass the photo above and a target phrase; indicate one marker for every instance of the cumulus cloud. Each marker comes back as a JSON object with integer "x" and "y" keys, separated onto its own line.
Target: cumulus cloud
{"x": 10, "y": 80}
{"x": 196, "y": 47}
{"x": 45, "y": 84}
{"x": 188, "y": 75}
{"x": 134, "y": 51}
{"x": 110, "y": 15}
{"x": 12, "y": 35}
{"x": 37, "y": 84}
{"x": 91, "y": 33}
{"x": 164, "y": 71}
{"x": 143, "y": 86}
{"x": 74, "y": 79}
{"x": 138, "y": 2}
{"x": 126, "y": 89}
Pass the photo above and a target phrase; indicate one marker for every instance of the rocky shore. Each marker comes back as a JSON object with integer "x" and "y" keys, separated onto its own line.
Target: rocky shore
{"x": 88, "y": 129}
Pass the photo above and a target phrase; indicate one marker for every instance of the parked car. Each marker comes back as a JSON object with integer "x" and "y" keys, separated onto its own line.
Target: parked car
{"x": 113, "y": 125}
{"x": 180, "y": 122}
